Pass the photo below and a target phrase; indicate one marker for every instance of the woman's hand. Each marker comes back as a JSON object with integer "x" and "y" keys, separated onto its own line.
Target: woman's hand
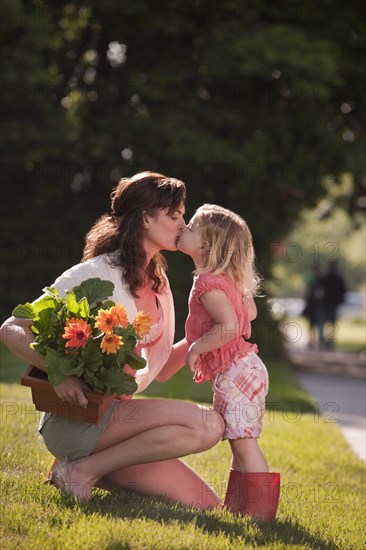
{"x": 192, "y": 359}
{"x": 72, "y": 392}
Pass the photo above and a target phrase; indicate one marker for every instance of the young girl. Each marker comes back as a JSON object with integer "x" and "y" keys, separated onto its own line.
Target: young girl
{"x": 221, "y": 308}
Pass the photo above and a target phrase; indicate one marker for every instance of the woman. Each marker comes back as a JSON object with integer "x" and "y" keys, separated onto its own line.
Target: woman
{"x": 138, "y": 450}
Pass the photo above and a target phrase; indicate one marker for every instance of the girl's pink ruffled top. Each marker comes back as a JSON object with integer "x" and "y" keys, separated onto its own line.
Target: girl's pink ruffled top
{"x": 199, "y": 322}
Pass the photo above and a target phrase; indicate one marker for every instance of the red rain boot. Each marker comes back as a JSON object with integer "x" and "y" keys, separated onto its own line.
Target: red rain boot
{"x": 253, "y": 493}
{"x": 234, "y": 497}
{"x": 262, "y": 493}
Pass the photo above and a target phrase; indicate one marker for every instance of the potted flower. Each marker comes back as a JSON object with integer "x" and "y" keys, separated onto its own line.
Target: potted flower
{"x": 86, "y": 335}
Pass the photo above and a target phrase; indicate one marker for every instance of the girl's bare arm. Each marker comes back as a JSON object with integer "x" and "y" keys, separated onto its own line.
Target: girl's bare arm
{"x": 226, "y": 328}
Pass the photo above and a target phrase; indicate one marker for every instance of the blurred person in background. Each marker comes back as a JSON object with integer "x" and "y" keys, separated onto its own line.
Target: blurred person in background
{"x": 313, "y": 301}
{"x": 333, "y": 290}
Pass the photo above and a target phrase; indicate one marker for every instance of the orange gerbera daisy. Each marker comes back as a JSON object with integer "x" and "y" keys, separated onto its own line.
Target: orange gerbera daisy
{"x": 121, "y": 314}
{"x": 142, "y": 323}
{"x": 106, "y": 320}
{"x": 111, "y": 343}
{"x": 77, "y": 332}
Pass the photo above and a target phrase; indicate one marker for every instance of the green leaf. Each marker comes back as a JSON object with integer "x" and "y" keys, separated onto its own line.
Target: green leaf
{"x": 77, "y": 309}
{"x": 112, "y": 377}
{"x": 52, "y": 364}
{"x": 72, "y": 370}
{"x": 83, "y": 308}
{"x": 121, "y": 357}
{"x": 91, "y": 357}
{"x": 128, "y": 337}
{"x": 109, "y": 360}
{"x": 129, "y": 344}
{"x": 128, "y": 387}
{"x": 55, "y": 322}
{"x": 68, "y": 366}
{"x": 42, "y": 323}
{"x": 46, "y": 303}
{"x": 91, "y": 379}
{"x": 24, "y": 311}
{"x": 71, "y": 304}
{"x": 52, "y": 358}
{"x": 39, "y": 347}
{"x": 134, "y": 360}
{"x": 94, "y": 290}
{"x": 105, "y": 304}
{"x": 128, "y": 332}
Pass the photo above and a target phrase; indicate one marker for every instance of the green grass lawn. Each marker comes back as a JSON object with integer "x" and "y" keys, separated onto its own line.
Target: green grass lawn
{"x": 322, "y": 500}
{"x": 351, "y": 335}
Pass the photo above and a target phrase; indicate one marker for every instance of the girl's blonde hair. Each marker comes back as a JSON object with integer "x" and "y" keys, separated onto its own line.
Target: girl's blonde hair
{"x": 227, "y": 247}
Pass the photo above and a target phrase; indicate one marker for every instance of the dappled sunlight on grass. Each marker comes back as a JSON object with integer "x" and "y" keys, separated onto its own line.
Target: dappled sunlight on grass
{"x": 321, "y": 501}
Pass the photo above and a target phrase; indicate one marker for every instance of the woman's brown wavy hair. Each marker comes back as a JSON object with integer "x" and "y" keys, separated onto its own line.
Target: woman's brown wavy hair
{"x": 122, "y": 231}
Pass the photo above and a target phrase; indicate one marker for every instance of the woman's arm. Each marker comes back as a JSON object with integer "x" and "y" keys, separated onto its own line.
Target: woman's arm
{"x": 17, "y": 335}
{"x": 175, "y": 362}
{"x": 226, "y": 328}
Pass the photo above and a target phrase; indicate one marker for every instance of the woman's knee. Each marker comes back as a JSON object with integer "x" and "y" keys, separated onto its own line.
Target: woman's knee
{"x": 211, "y": 428}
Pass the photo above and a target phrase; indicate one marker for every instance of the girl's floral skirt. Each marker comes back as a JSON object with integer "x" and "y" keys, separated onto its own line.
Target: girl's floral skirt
{"x": 239, "y": 396}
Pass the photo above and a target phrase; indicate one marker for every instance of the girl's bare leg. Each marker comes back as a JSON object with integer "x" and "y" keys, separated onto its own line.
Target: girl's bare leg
{"x": 170, "y": 478}
{"x": 143, "y": 431}
{"x": 247, "y": 456}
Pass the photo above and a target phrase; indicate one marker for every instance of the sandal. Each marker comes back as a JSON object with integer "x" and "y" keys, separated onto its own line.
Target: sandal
{"x": 61, "y": 479}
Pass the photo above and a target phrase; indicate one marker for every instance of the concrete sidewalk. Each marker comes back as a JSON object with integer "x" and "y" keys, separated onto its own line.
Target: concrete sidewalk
{"x": 343, "y": 398}
{"x": 337, "y": 382}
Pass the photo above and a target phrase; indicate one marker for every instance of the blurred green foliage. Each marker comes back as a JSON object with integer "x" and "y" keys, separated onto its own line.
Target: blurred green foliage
{"x": 251, "y": 104}
{"x": 323, "y": 234}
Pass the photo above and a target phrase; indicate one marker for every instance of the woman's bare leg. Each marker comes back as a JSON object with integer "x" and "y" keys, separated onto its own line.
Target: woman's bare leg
{"x": 170, "y": 478}
{"x": 143, "y": 431}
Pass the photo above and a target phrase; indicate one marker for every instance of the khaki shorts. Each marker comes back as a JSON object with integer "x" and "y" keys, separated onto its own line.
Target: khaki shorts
{"x": 72, "y": 439}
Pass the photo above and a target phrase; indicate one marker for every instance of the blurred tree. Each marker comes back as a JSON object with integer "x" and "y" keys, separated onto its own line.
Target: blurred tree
{"x": 324, "y": 234}
{"x": 41, "y": 233}
{"x": 250, "y": 103}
